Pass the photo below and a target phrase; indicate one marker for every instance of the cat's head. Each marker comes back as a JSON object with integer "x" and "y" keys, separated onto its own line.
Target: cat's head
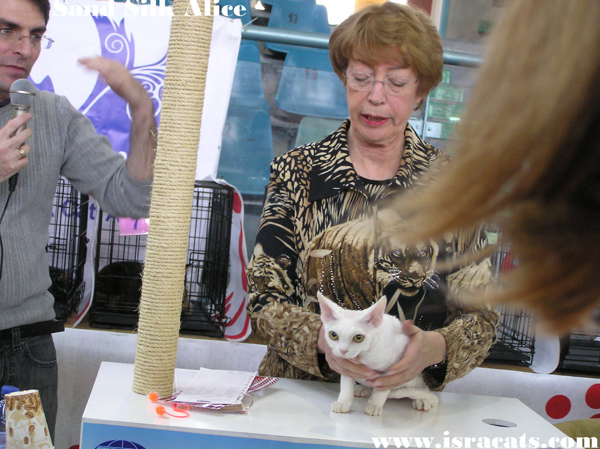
{"x": 410, "y": 267}
{"x": 269, "y": 274}
{"x": 349, "y": 332}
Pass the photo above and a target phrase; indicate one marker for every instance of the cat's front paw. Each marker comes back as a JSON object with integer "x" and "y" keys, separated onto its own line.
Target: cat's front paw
{"x": 425, "y": 404}
{"x": 340, "y": 407}
{"x": 362, "y": 391}
{"x": 373, "y": 410}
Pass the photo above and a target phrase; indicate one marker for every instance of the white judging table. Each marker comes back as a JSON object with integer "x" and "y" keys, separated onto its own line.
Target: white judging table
{"x": 295, "y": 413}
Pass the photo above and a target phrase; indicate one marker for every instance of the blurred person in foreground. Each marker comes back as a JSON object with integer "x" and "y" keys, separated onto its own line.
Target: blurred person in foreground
{"x": 326, "y": 225}
{"x": 59, "y": 141}
{"x": 527, "y": 158}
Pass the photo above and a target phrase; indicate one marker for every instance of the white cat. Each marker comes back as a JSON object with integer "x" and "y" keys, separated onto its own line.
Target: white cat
{"x": 379, "y": 342}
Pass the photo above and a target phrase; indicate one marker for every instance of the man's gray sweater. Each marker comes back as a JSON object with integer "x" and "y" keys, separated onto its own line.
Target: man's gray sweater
{"x": 64, "y": 142}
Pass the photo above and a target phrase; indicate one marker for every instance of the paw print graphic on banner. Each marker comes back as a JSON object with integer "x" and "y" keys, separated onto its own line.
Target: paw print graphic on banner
{"x": 559, "y": 406}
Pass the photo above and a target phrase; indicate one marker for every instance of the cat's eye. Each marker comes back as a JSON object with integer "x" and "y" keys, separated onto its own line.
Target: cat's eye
{"x": 333, "y": 335}
{"x": 358, "y": 338}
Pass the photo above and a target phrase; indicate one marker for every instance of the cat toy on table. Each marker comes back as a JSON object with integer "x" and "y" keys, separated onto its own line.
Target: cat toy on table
{"x": 378, "y": 339}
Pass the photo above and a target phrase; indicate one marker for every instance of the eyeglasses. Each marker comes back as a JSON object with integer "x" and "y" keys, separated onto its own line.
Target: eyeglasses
{"x": 10, "y": 36}
{"x": 363, "y": 82}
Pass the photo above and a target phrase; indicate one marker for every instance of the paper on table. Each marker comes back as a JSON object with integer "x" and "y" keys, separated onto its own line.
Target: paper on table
{"x": 217, "y": 386}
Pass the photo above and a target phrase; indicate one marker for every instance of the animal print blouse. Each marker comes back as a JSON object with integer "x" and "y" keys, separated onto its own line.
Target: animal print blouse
{"x": 325, "y": 228}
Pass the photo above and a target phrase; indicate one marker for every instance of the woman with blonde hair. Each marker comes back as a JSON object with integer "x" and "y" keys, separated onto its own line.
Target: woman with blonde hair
{"x": 527, "y": 158}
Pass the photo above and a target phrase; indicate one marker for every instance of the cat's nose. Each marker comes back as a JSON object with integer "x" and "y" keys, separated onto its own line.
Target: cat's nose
{"x": 343, "y": 351}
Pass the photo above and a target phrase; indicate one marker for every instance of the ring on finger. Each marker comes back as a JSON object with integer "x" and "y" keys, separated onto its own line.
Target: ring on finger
{"x": 22, "y": 153}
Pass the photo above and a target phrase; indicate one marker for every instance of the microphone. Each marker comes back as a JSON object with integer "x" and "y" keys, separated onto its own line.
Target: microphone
{"x": 22, "y": 94}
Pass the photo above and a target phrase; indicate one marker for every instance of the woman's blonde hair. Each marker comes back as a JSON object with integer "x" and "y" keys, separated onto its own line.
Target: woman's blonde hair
{"x": 527, "y": 157}
{"x": 390, "y": 31}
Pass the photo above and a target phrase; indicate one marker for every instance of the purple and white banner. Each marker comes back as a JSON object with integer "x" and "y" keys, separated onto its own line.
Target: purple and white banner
{"x": 138, "y": 37}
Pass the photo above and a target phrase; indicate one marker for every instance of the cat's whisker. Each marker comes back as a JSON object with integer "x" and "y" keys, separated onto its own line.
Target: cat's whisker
{"x": 431, "y": 283}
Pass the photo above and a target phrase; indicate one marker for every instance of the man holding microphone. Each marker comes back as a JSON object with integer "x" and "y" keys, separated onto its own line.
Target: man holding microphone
{"x": 57, "y": 141}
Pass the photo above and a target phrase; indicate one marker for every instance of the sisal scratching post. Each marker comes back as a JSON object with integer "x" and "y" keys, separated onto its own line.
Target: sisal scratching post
{"x": 172, "y": 197}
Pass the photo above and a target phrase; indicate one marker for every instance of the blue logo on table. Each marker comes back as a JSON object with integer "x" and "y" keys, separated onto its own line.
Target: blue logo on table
{"x": 120, "y": 444}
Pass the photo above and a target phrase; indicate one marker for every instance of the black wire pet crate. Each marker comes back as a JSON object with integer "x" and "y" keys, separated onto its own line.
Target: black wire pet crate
{"x": 120, "y": 259}
{"x": 67, "y": 248}
{"x": 516, "y": 332}
{"x": 515, "y": 343}
{"x": 580, "y": 350}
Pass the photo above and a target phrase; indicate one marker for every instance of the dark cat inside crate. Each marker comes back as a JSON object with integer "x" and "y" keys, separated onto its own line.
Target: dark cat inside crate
{"x": 119, "y": 285}
{"x": 62, "y": 283}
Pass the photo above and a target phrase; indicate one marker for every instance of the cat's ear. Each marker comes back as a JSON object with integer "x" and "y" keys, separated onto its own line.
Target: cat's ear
{"x": 327, "y": 307}
{"x": 258, "y": 250}
{"x": 374, "y": 314}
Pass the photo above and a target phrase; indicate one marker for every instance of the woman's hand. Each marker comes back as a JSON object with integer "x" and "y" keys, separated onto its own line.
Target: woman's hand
{"x": 346, "y": 367}
{"x": 424, "y": 349}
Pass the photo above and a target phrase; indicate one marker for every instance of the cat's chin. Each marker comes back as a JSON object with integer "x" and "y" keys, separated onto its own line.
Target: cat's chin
{"x": 345, "y": 356}
{"x": 405, "y": 289}
{"x": 409, "y": 291}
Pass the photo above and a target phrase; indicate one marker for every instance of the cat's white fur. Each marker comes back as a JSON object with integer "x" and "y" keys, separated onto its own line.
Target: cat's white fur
{"x": 383, "y": 343}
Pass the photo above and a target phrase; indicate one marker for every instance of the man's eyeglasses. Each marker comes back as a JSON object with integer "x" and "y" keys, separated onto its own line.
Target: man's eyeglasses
{"x": 364, "y": 82}
{"x": 10, "y": 36}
